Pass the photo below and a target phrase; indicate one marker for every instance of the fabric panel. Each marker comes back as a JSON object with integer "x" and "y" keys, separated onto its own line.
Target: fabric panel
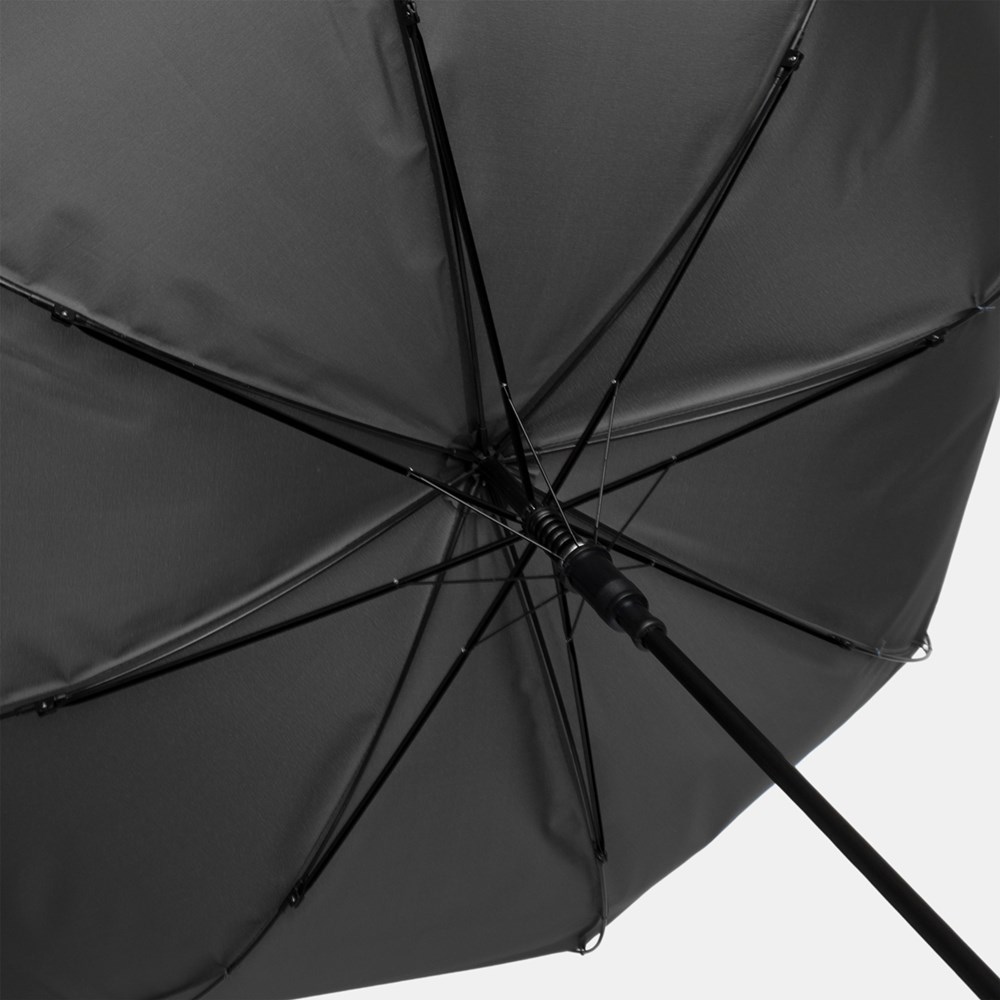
{"x": 246, "y": 187}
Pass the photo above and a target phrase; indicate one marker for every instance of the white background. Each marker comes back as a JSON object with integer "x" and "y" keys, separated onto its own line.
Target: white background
{"x": 770, "y": 908}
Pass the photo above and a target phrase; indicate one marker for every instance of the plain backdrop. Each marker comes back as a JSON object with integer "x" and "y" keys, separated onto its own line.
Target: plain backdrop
{"x": 770, "y": 908}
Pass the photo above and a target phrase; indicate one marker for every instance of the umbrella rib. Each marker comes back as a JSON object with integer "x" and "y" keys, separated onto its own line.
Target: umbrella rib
{"x": 514, "y": 621}
{"x": 604, "y": 464}
{"x": 649, "y": 558}
{"x": 348, "y": 793}
{"x": 538, "y": 462}
{"x": 588, "y": 795}
{"x": 671, "y": 567}
{"x": 638, "y": 507}
{"x": 577, "y": 356}
{"x": 345, "y": 552}
{"x": 589, "y": 804}
{"x": 882, "y": 363}
{"x": 297, "y": 894}
{"x": 600, "y": 851}
{"x": 470, "y": 501}
{"x": 410, "y": 21}
{"x": 747, "y": 401}
{"x": 581, "y": 709}
{"x": 302, "y": 887}
{"x": 468, "y": 332}
{"x": 569, "y": 365}
{"x": 89, "y": 693}
{"x": 789, "y": 64}
{"x": 488, "y": 579}
{"x": 541, "y": 646}
{"x": 69, "y": 317}
{"x": 453, "y": 242}
{"x": 258, "y": 400}
{"x": 460, "y": 276}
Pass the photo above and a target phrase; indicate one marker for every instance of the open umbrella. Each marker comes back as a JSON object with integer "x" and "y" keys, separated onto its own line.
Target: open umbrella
{"x": 368, "y": 371}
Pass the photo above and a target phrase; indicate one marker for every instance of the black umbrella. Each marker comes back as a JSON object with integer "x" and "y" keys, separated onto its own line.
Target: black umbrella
{"x": 401, "y": 361}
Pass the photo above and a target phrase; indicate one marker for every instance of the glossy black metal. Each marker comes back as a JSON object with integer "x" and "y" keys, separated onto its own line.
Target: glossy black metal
{"x": 453, "y": 187}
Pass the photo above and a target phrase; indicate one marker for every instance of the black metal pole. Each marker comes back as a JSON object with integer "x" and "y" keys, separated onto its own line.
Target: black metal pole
{"x": 589, "y": 570}
{"x": 635, "y": 619}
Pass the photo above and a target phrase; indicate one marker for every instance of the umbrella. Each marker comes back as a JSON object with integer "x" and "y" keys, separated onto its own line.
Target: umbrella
{"x": 369, "y": 371}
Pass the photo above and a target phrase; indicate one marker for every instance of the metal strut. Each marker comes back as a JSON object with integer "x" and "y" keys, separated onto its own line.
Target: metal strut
{"x": 590, "y": 571}
{"x": 456, "y": 204}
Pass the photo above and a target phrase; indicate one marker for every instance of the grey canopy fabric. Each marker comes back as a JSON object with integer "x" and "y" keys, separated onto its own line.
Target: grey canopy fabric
{"x": 250, "y": 197}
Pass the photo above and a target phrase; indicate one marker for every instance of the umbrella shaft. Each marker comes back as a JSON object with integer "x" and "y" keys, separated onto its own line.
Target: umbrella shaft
{"x": 589, "y": 570}
{"x": 962, "y": 959}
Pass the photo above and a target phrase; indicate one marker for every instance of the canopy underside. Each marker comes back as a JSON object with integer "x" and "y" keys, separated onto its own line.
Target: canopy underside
{"x": 256, "y": 198}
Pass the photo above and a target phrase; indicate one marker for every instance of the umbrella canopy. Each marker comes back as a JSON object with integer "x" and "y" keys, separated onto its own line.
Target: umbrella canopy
{"x": 333, "y": 331}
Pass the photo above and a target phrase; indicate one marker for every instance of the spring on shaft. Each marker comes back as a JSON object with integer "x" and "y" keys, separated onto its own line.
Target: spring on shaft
{"x": 545, "y": 526}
